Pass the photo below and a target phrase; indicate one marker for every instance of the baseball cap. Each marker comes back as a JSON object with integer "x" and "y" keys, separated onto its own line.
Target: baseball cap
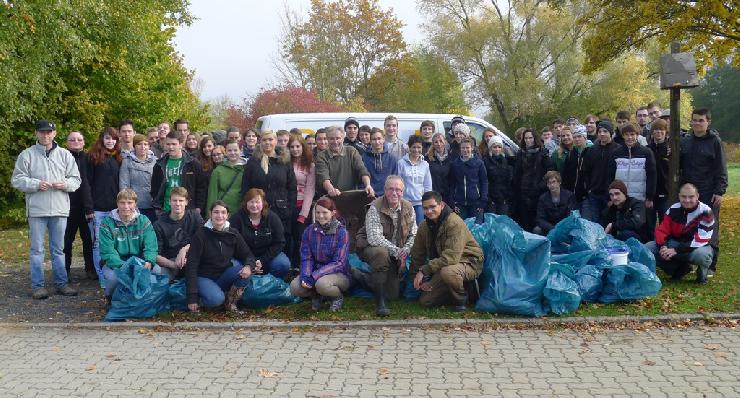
{"x": 45, "y": 125}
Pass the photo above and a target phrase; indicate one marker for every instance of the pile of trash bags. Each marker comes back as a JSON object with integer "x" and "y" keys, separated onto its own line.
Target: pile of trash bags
{"x": 141, "y": 294}
{"x": 532, "y": 275}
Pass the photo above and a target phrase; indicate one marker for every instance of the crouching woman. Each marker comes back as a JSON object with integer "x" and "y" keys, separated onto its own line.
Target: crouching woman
{"x": 125, "y": 233}
{"x": 324, "y": 268}
{"x": 211, "y": 278}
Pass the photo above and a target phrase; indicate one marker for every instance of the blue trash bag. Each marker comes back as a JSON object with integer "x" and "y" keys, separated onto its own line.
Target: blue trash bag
{"x": 519, "y": 271}
{"x": 590, "y": 281}
{"x": 265, "y": 290}
{"x": 561, "y": 291}
{"x": 633, "y": 281}
{"x": 139, "y": 294}
{"x": 356, "y": 291}
{"x": 574, "y": 234}
{"x": 577, "y": 260}
{"x": 640, "y": 254}
{"x": 178, "y": 296}
{"x": 483, "y": 234}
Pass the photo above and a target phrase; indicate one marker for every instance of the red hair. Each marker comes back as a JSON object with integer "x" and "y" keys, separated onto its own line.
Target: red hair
{"x": 326, "y": 203}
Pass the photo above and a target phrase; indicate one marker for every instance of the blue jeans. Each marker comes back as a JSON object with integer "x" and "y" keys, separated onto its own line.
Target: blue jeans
{"x": 278, "y": 267}
{"x": 97, "y": 221}
{"x": 701, "y": 257}
{"x": 111, "y": 279}
{"x": 37, "y": 227}
{"x": 212, "y": 291}
{"x": 592, "y": 207}
{"x": 419, "y": 211}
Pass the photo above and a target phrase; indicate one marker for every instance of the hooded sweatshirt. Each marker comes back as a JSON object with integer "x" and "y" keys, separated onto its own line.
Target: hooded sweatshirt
{"x": 380, "y": 165}
{"x": 210, "y": 255}
{"x": 226, "y": 184}
{"x": 469, "y": 183}
{"x": 416, "y": 178}
{"x": 120, "y": 241}
{"x": 137, "y": 175}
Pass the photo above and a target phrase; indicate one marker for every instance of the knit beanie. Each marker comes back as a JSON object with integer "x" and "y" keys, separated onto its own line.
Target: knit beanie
{"x": 579, "y": 130}
{"x": 351, "y": 120}
{"x": 219, "y": 136}
{"x": 495, "y": 140}
{"x": 604, "y": 124}
{"x": 618, "y": 184}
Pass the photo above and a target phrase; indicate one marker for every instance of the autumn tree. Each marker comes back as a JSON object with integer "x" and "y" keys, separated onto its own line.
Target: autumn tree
{"x": 281, "y": 99}
{"x": 87, "y": 64}
{"x": 337, "y": 49}
{"x": 419, "y": 82}
{"x": 709, "y": 28}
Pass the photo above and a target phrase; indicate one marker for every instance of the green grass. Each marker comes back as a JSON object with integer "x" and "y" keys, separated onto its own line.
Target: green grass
{"x": 733, "y": 174}
{"x": 720, "y": 295}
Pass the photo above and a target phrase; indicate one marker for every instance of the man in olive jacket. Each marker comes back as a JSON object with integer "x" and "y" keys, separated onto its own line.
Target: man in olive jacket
{"x": 444, "y": 255}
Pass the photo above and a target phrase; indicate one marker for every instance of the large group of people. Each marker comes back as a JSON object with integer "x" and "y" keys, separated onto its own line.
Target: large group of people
{"x": 217, "y": 208}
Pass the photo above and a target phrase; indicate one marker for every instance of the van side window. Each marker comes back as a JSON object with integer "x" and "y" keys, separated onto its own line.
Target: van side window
{"x": 476, "y": 130}
{"x": 258, "y": 125}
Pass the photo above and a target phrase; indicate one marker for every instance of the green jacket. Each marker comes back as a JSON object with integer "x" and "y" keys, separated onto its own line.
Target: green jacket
{"x": 455, "y": 244}
{"x": 226, "y": 185}
{"x": 119, "y": 241}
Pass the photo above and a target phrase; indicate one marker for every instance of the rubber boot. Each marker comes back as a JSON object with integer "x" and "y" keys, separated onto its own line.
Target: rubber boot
{"x": 378, "y": 281}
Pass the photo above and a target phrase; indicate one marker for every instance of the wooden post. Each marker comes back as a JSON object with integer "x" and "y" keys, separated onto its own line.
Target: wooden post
{"x": 675, "y": 138}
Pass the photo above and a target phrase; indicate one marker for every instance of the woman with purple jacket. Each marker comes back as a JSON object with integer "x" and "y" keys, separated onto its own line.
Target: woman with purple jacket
{"x": 325, "y": 271}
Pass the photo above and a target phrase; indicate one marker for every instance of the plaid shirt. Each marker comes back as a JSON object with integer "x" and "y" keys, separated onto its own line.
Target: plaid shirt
{"x": 324, "y": 254}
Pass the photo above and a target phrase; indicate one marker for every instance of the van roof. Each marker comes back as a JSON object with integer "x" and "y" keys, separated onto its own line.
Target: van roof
{"x": 369, "y": 115}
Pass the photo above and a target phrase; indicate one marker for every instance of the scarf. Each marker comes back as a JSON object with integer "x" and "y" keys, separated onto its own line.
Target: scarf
{"x": 442, "y": 157}
{"x": 330, "y": 228}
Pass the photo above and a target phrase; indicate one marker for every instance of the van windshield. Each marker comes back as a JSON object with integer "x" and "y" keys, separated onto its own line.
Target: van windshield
{"x": 476, "y": 130}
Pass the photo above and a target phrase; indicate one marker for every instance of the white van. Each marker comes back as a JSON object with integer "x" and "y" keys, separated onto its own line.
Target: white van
{"x": 408, "y": 123}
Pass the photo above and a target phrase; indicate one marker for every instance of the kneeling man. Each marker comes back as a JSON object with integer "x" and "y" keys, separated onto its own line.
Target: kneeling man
{"x": 683, "y": 237}
{"x": 385, "y": 242}
{"x": 444, "y": 255}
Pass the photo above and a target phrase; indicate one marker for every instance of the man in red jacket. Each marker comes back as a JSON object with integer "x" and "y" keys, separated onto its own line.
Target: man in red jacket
{"x": 683, "y": 237}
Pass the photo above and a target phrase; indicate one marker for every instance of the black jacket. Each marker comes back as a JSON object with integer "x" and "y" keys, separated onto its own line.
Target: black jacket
{"x": 703, "y": 164}
{"x": 82, "y": 197}
{"x": 630, "y": 217}
{"x": 440, "y": 171}
{"x": 103, "y": 181}
{"x": 279, "y": 184}
{"x": 191, "y": 178}
{"x": 529, "y": 170}
{"x": 499, "y": 170}
{"x": 265, "y": 242}
{"x": 174, "y": 235}
{"x": 662, "y": 161}
{"x": 210, "y": 255}
{"x": 596, "y": 162}
{"x": 573, "y": 173}
{"x": 549, "y": 213}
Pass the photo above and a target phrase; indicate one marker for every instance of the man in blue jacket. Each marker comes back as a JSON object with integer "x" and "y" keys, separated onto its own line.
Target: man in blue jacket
{"x": 379, "y": 162}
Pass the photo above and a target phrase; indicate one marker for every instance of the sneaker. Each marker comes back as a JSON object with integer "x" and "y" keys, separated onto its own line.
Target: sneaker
{"x": 336, "y": 303}
{"x": 316, "y": 303}
{"x": 233, "y": 297}
{"x": 91, "y": 274}
{"x": 67, "y": 290}
{"x": 40, "y": 294}
{"x": 710, "y": 273}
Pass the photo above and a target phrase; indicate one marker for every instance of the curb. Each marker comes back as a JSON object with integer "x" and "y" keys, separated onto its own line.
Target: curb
{"x": 380, "y": 324}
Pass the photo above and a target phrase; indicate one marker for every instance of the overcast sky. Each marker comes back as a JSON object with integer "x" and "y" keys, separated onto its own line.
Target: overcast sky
{"x": 233, "y": 43}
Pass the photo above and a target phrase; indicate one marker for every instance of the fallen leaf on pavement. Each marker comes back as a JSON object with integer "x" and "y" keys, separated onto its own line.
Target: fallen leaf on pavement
{"x": 90, "y": 368}
{"x": 383, "y": 371}
{"x": 697, "y": 363}
{"x": 711, "y": 346}
{"x": 648, "y": 362}
{"x": 267, "y": 373}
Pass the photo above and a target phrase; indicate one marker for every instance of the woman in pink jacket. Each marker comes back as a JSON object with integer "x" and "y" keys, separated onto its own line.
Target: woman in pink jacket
{"x": 303, "y": 167}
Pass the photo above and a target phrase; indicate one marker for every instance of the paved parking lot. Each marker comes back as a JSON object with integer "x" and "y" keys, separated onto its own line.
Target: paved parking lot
{"x": 695, "y": 361}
